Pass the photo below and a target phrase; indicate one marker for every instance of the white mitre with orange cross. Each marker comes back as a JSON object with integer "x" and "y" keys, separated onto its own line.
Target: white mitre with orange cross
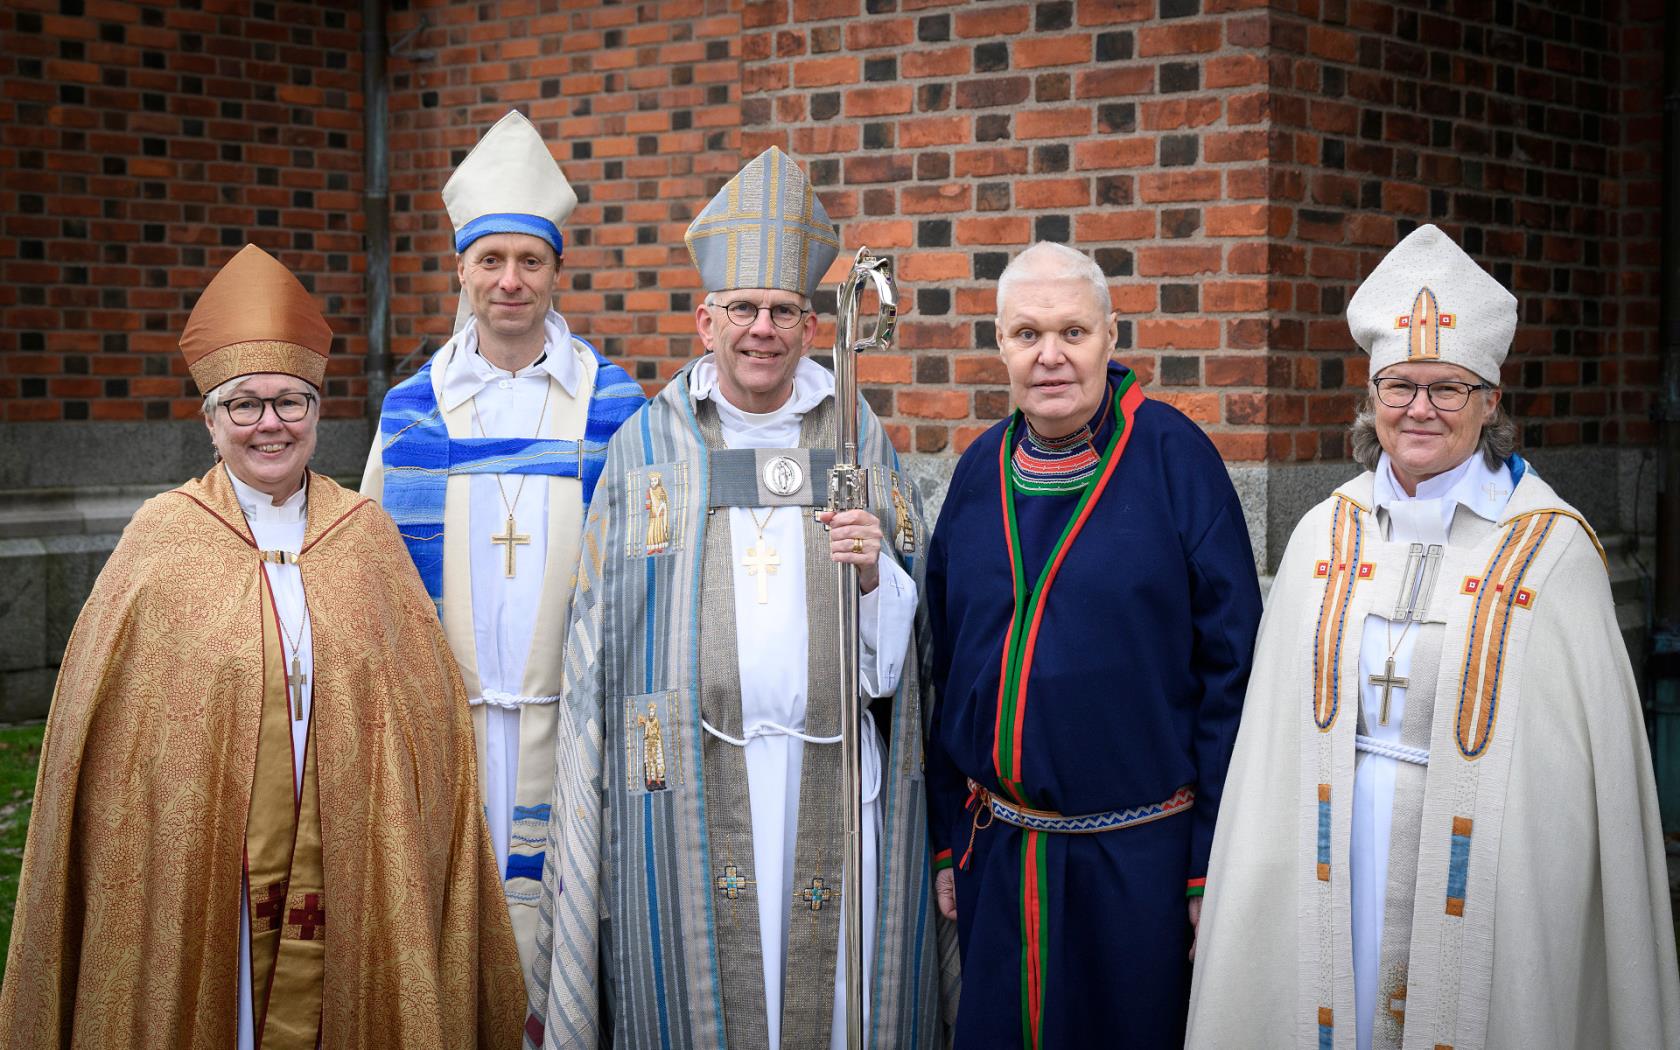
{"x": 1429, "y": 301}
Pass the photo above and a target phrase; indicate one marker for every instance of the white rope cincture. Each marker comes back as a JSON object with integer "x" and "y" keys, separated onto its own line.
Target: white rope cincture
{"x": 509, "y": 701}
{"x": 1417, "y": 756}
{"x": 871, "y": 771}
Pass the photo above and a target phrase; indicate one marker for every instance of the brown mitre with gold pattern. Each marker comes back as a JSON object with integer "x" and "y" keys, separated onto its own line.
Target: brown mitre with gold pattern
{"x": 254, "y": 316}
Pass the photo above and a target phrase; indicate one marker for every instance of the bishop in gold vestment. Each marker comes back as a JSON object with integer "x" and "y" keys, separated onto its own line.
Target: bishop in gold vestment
{"x": 230, "y": 849}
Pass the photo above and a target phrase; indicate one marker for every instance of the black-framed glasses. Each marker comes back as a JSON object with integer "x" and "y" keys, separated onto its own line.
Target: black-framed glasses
{"x": 1447, "y": 395}
{"x": 744, "y": 313}
{"x": 291, "y": 408}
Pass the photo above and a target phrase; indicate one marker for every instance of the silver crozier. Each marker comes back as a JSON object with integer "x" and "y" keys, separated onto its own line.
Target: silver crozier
{"x": 848, "y": 489}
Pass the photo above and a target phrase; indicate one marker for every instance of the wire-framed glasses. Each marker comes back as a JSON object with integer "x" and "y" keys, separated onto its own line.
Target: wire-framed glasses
{"x": 291, "y": 408}
{"x": 1448, "y": 395}
{"x": 744, "y": 313}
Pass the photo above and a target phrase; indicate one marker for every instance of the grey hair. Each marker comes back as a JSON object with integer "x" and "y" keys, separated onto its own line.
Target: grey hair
{"x": 224, "y": 390}
{"x": 1047, "y": 259}
{"x": 1497, "y": 442}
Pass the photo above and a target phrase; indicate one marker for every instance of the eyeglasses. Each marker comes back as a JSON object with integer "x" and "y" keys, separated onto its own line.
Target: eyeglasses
{"x": 291, "y": 408}
{"x": 1448, "y": 395}
{"x": 743, "y": 313}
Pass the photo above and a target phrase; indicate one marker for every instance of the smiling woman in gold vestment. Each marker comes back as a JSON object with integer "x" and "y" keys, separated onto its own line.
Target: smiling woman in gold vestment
{"x": 257, "y": 819}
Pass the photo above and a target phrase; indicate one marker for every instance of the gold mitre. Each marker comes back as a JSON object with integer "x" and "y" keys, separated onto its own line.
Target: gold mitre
{"x": 254, "y": 316}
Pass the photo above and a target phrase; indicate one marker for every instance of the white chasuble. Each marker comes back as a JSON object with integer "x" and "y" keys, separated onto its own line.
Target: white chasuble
{"x": 772, "y": 643}
{"x": 278, "y": 528}
{"x": 508, "y": 632}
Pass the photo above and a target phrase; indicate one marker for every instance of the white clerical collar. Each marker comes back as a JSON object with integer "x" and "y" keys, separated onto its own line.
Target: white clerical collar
{"x": 468, "y": 372}
{"x": 812, "y": 384}
{"x": 1480, "y": 489}
{"x": 260, "y": 506}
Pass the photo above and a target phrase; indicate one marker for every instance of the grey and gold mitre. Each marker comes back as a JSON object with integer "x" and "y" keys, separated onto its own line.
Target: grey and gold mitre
{"x": 764, "y": 229}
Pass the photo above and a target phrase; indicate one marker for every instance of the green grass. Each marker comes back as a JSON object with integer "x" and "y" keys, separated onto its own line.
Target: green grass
{"x": 20, "y": 749}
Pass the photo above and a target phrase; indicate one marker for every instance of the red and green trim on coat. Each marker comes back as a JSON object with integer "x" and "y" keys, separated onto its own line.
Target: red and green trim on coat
{"x": 1018, "y": 648}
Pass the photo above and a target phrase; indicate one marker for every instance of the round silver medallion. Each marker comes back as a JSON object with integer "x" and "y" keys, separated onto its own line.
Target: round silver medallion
{"x": 783, "y": 476}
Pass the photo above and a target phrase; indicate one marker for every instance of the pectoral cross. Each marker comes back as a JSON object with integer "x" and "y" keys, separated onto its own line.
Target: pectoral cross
{"x": 507, "y": 539}
{"x": 1388, "y": 680}
{"x": 762, "y": 565}
{"x": 294, "y": 685}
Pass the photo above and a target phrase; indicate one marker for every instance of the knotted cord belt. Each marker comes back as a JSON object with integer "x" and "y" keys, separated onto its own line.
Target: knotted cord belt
{"x": 988, "y": 807}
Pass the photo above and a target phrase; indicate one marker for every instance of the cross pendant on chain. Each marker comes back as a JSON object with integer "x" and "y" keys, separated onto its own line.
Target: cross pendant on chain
{"x": 294, "y": 685}
{"x": 507, "y": 539}
{"x": 1388, "y": 680}
{"x": 761, "y": 564}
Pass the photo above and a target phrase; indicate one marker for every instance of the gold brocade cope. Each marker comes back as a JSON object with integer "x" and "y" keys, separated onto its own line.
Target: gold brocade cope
{"x": 126, "y": 934}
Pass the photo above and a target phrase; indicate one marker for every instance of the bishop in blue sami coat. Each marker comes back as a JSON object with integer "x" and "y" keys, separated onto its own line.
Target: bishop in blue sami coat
{"x": 1094, "y": 603}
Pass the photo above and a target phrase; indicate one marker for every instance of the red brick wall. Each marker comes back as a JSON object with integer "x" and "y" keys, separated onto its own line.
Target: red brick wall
{"x": 1528, "y": 131}
{"x": 142, "y": 145}
{"x": 1234, "y": 165}
{"x": 640, "y": 104}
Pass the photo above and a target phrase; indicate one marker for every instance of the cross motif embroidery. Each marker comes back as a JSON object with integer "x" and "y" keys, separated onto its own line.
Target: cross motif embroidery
{"x": 304, "y": 922}
{"x": 1365, "y": 570}
{"x": 1423, "y": 325}
{"x": 1524, "y": 598}
{"x": 732, "y": 882}
{"x": 817, "y": 894}
{"x": 265, "y": 913}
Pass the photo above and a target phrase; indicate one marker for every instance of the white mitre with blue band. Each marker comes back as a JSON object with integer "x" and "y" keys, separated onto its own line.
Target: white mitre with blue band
{"x": 1429, "y": 301}
{"x": 764, "y": 229}
{"x": 509, "y": 183}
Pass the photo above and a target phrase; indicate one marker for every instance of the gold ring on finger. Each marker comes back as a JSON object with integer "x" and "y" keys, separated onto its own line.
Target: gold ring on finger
{"x": 857, "y": 545}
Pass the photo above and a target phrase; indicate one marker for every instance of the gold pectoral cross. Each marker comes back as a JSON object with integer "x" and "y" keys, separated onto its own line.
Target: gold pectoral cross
{"x": 507, "y": 539}
{"x": 1388, "y": 680}
{"x": 294, "y": 685}
{"x": 762, "y": 565}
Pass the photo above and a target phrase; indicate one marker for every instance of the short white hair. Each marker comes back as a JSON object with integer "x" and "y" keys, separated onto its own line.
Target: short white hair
{"x": 1052, "y": 261}
{"x": 221, "y": 393}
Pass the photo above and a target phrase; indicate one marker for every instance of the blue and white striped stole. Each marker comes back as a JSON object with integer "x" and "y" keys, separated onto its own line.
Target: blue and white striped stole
{"x": 419, "y": 456}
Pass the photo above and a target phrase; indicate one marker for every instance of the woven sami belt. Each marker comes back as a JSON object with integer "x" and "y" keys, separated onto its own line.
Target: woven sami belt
{"x": 988, "y": 807}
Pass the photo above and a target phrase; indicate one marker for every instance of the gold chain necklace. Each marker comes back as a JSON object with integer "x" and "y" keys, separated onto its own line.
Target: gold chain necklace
{"x": 509, "y": 537}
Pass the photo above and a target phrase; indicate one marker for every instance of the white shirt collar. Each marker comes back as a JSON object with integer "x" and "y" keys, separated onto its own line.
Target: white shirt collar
{"x": 812, "y": 384}
{"x": 260, "y": 506}
{"x": 1482, "y": 490}
{"x": 468, "y": 372}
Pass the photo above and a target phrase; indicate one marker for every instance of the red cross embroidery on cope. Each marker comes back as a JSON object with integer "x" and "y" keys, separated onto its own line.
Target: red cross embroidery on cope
{"x": 265, "y": 915}
{"x": 305, "y": 923}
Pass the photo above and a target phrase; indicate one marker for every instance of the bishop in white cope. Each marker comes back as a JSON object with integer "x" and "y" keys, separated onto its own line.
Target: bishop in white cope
{"x": 1440, "y": 827}
{"x": 486, "y": 459}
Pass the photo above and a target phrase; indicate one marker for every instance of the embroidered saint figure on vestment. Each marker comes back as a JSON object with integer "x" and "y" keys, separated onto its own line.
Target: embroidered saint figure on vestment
{"x": 653, "y": 749}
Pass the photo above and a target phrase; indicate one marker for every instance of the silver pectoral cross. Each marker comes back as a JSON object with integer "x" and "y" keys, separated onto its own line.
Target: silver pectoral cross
{"x": 294, "y": 685}
{"x": 1389, "y": 681}
{"x": 761, "y": 564}
{"x": 507, "y": 539}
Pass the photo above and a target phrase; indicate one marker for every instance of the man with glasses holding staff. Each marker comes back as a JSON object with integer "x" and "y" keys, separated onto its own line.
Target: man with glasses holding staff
{"x": 1440, "y": 826}
{"x": 696, "y": 847}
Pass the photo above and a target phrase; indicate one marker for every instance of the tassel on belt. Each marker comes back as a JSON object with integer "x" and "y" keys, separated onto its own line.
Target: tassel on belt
{"x": 988, "y": 807}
